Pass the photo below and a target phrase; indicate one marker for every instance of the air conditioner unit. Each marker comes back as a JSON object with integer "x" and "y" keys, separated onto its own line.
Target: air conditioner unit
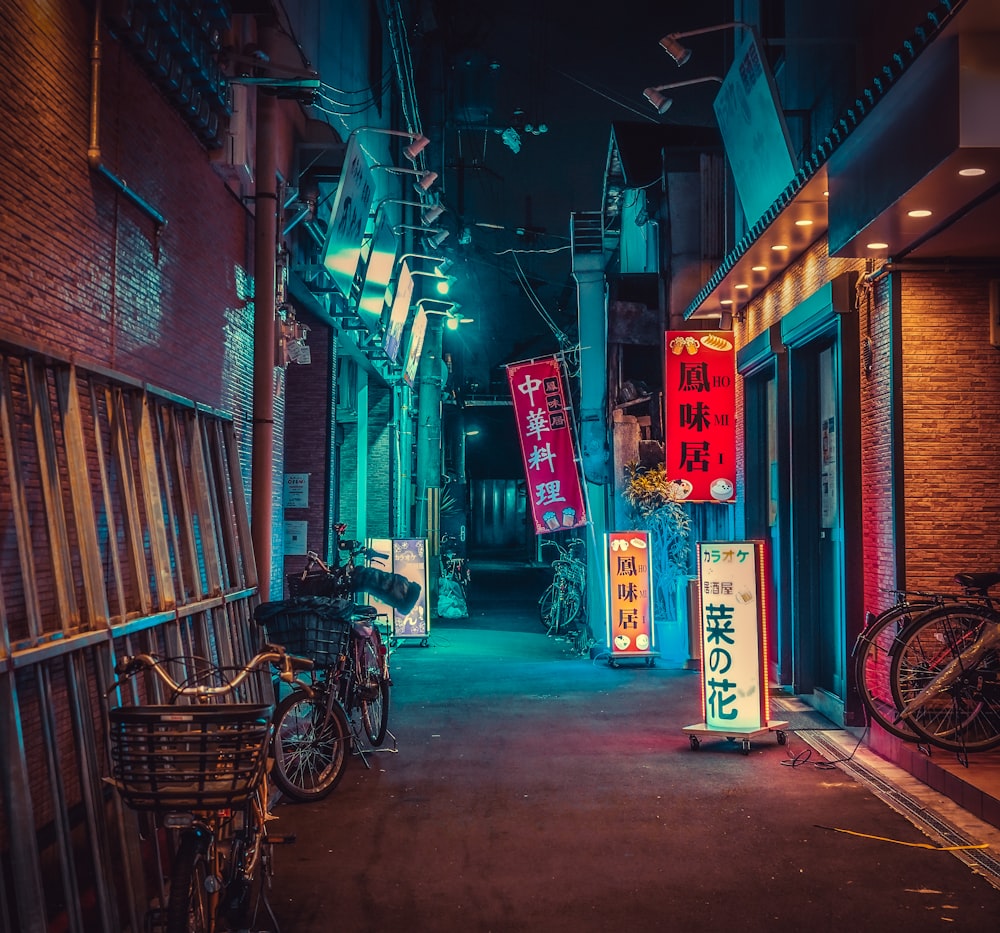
{"x": 236, "y": 155}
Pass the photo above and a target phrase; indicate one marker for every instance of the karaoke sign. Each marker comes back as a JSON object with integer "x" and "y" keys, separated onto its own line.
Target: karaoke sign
{"x": 543, "y": 426}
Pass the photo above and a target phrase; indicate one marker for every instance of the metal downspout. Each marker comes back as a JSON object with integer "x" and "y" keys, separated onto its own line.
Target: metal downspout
{"x": 94, "y": 156}
{"x": 265, "y": 247}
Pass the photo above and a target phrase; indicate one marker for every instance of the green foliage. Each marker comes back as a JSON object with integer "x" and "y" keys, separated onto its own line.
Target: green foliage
{"x": 652, "y": 501}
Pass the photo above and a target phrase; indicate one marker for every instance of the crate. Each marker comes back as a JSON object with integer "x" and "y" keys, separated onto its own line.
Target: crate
{"x": 312, "y": 626}
{"x": 188, "y": 757}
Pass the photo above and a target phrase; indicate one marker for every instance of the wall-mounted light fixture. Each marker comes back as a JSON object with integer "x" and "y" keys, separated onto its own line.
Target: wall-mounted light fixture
{"x": 425, "y": 178}
{"x": 417, "y": 145}
{"x": 429, "y": 212}
{"x": 661, "y": 102}
{"x": 453, "y": 319}
{"x": 679, "y": 53}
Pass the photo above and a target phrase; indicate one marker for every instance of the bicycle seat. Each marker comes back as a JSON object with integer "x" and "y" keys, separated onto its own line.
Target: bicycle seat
{"x": 978, "y": 582}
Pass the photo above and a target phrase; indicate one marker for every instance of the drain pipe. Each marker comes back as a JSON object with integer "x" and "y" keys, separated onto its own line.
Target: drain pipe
{"x": 94, "y": 148}
{"x": 262, "y": 513}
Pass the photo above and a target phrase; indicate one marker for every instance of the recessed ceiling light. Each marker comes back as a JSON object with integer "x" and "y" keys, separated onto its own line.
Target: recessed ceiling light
{"x": 826, "y": 194}
{"x": 741, "y": 286}
{"x": 758, "y": 268}
{"x": 920, "y": 213}
{"x": 726, "y": 301}
{"x": 876, "y": 245}
{"x": 970, "y": 172}
{"x": 778, "y": 247}
{"x": 803, "y": 223}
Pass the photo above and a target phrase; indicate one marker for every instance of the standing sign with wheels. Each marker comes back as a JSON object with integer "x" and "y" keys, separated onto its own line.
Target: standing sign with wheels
{"x": 630, "y": 609}
{"x": 408, "y": 558}
{"x": 735, "y": 700}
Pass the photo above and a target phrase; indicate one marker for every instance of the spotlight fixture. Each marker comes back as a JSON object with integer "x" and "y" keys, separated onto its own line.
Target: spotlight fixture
{"x": 679, "y": 53}
{"x": 661, "y": 102}
{"x": 426, "y": 178}
{"x": 417, "y": 145}
{"x": 436, "y": 237}
{"x": 430, "y": 214}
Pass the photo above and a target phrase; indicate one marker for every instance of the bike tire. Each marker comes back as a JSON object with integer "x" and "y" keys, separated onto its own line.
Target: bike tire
{"x": 373, "y": 688}
{"x": 189, "y": 903}
{"x": 545, "y": 606}
{"x": 311, "y": 744}
{"x": 569, "y": 608}
{"x": 873, "y": 652}
{"x": 939, "y": 686}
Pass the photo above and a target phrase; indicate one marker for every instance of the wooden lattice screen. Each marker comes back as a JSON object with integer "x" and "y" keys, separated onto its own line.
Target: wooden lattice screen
{"x": 123, "y": 528}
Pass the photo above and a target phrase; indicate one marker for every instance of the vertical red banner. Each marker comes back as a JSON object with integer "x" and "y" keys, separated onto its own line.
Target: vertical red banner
{"x": 700, "y": 415}
{"x": 544, "y": 429}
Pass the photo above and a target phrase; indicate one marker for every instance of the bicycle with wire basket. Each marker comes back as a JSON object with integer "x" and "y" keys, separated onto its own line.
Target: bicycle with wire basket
{"x": 199, "y": 770}
{"x": 349, "y": 691}
{"x": 562, "y": 606}
{"x": 927, "y": 667}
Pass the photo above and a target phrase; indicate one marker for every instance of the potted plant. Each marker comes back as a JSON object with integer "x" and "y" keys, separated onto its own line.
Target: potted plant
{"x": 654, "y": 507}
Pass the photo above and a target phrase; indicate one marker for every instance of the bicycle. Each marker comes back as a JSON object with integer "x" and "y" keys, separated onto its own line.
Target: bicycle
{"x": 562, "y": 606}
{"x": 454, "y": 582}
{"x": 200, "y": 770}
{"x": 883, "y": 662}
{"x": 945, "y": 673}
{"x": 350, "y": 686}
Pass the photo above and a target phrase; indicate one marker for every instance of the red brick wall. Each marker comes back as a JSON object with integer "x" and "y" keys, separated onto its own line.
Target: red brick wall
{"x": 86, "y": 272}
{"x": 951, "y": 408}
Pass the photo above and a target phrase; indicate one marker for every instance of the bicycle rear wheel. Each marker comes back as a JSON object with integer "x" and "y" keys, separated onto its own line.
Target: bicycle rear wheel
{"x": 311, "y": 737}
{"x": 944, "y": 678}
{"x": 189, "y": 903}
{"x": 373, "y": 688}
{"x": 873, "y": 653}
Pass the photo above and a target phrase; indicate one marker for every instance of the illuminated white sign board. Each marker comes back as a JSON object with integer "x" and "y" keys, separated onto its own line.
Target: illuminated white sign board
{"x": 378, "y": 272}
{"x": 734, "y": 683}
{"x": 399, "y": 314}
{"x": 754, "y": 132}
{"x": 414, "y": 349}
{"x": 348, "y": 218}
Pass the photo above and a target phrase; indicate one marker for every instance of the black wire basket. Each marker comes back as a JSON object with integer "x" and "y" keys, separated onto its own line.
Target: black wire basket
{"x": 188, "y": 757}
{"x": 317, "y": 583}
{"x": 314, "y": 627}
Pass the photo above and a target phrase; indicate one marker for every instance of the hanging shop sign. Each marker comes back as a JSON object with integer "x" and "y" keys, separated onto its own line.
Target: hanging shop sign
{"x": 348, "y": 218}
{"x": 544, "y": 426}
{"x": 733, "y": 640}
{"x": 378, "y": 268}
{"x": 399, "y": 313}
{"x": 700, "y": 415}
{"x": 415, "y": 347}
{"x": 408, "y": 558}
{"x": 630, "y": 606}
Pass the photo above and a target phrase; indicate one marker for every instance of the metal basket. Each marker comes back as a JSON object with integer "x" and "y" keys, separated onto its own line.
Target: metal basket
{"x": 188, "y": 757}
{"x": 312, "y": 626}
{"x": 316, "y": 583}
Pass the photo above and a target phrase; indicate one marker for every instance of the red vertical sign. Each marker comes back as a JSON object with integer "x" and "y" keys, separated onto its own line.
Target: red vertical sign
{"x": 543, "y": 426}
{"x": 700, "y": 415}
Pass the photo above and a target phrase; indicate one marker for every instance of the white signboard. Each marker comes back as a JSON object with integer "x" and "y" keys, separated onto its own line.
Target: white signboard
{"x": 296, "y": 491}
{"x": 732, "y": 640}
{"x": 754, "y": 132}
{"x": 349, "y": 217}
{"x": 296, "y": 537}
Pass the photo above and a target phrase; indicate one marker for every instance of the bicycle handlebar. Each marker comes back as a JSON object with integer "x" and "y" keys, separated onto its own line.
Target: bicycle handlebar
{"x": 129, "y": 666}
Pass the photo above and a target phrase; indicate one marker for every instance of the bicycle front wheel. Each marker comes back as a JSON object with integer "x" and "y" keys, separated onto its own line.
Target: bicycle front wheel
{"x": 188, "y": 905}
{"x": 545, "y": 606}
{"x": 873, "y": 655}
{"x": 311, "y": 737}
{"x": 373, "y": 688}
{"x": 944, "y": 678}
{"x": 566, "y": 611}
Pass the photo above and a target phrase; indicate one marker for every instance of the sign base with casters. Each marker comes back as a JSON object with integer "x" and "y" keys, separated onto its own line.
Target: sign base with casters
{"x": 743, "y": 735}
